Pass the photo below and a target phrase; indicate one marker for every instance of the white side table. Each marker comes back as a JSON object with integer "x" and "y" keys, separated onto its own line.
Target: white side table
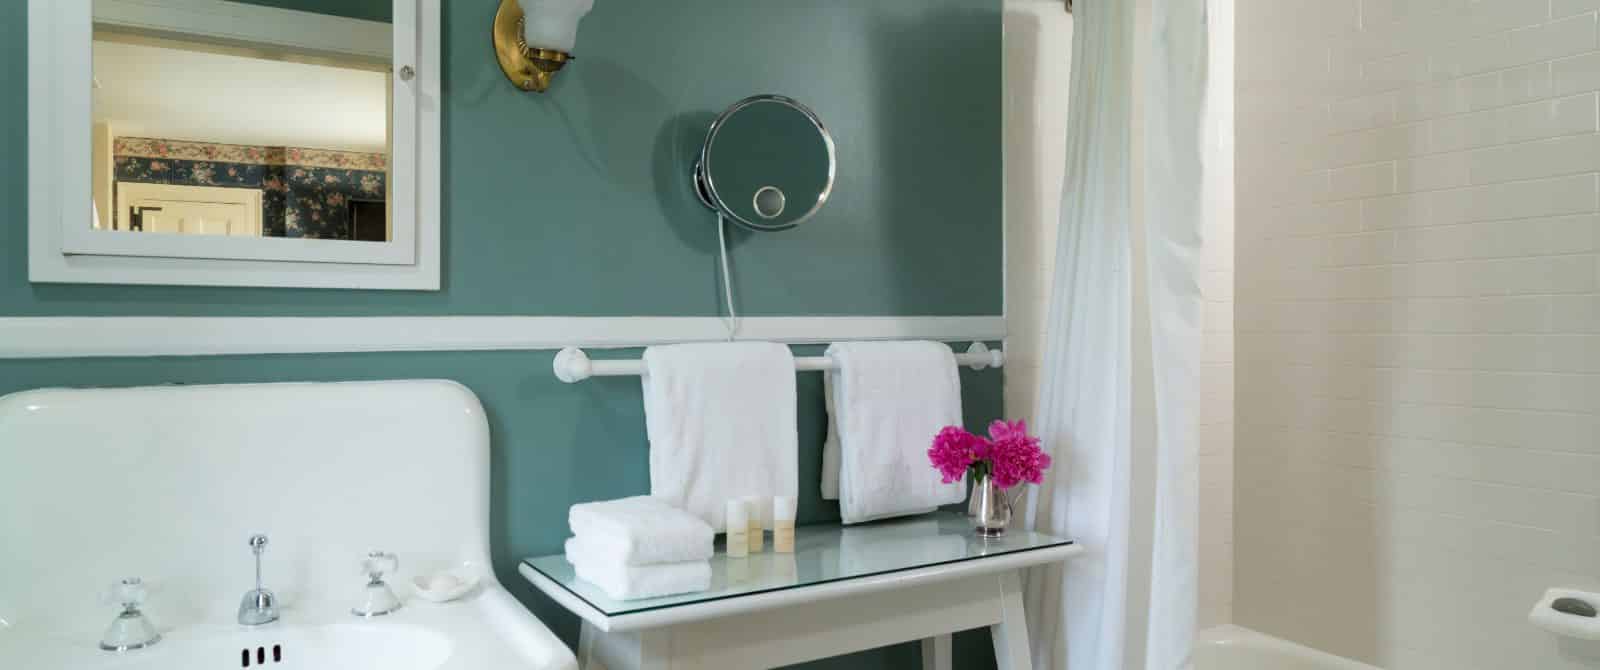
{"x": 845, "y": 589}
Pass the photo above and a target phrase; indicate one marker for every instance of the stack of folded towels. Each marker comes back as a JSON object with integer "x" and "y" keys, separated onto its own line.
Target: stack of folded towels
{"x": 639, "y": 547}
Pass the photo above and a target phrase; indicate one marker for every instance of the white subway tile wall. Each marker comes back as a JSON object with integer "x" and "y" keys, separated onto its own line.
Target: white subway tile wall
{"x": 1417, "y": 451}
{"x": 1216, "y": 419}
{"x": 1217, "y": 362}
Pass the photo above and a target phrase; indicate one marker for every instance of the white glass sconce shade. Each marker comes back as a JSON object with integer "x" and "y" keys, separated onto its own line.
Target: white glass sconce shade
{"x": 553, "y": 24}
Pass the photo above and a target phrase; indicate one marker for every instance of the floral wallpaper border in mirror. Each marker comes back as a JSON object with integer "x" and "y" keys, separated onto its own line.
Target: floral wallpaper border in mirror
{"x": 306, "y": 193}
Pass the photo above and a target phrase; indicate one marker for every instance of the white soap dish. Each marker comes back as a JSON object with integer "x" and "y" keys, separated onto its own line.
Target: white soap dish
{"x": 1568, "y": 612}
{"x": 446, "y": 585}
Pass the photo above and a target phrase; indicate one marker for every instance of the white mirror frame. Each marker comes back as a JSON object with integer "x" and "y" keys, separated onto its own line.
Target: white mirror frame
{"x": 64, "y": 248}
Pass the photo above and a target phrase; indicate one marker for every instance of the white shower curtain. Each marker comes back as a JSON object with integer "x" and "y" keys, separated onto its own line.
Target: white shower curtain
{"x": 1119, "y": 396}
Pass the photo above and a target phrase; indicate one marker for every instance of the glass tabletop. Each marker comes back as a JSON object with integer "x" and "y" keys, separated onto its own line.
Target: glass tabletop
{"x": 823, "y": 553}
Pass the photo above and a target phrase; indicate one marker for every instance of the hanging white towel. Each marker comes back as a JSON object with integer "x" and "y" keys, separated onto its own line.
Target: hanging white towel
{"x": 634, "y": 582}
{"x": 889, "y": 399}
{"x": 721, "y": 421}
{"x": 641, "y": 530}
{"x": 830, "y": 444}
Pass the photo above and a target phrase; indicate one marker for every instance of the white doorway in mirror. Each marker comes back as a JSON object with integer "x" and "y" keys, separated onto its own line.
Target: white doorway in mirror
{"x": 189, "y": 210}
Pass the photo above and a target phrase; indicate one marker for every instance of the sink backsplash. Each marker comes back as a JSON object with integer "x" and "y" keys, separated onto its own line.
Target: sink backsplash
{"x": 168, "y": 483}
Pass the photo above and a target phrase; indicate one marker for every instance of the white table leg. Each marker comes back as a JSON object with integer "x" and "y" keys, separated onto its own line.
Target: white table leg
{"x": 586, "y": 642}
{"x": 643, "y": 650}
{"x": 655, "y": 650}
{"x": 1011, "y": 634}
{"x": 936, "y": 653}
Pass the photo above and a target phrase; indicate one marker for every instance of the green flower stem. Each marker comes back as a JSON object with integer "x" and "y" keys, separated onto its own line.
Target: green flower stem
{"x": 979, "y": 470}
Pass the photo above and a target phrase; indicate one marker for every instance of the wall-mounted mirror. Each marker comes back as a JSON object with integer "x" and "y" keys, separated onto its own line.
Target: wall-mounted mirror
{"x": 767, "y": 163}
{"x": 236, "y": 135}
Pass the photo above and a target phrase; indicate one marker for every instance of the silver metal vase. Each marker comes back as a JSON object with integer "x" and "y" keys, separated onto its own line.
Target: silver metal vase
{"x": 990, "y": 507}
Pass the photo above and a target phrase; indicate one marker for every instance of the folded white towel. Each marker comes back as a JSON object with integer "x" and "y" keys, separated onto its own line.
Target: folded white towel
{"x": 721, "y": 421}
{"x": 641, "y": 530}
{"x": 635, "y": 582}
{"x": 889, "y": 400}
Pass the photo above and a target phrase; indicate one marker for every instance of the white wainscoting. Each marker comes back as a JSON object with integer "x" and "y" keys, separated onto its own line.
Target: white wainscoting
{"x": 64, "y": 337}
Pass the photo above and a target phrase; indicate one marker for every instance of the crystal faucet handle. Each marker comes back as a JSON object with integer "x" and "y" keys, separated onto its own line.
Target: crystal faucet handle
{"x": 377, "y": 599}
{"x": 130, "y": 630}
{"x": 376, "y": 564}
{"x": 130, "y": 593}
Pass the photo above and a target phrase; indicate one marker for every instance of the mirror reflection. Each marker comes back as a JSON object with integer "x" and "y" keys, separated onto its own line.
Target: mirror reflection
{"x": 198, "y": 134}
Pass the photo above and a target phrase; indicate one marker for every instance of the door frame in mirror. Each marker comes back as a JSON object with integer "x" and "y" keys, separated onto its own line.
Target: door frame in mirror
{"x": 63, "y": 247}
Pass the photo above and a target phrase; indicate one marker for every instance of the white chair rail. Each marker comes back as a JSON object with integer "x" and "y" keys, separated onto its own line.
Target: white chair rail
{"x": 572, "y": 365}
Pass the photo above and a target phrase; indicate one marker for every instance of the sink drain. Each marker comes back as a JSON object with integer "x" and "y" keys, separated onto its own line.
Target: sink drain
{"x": 259, "y": 655}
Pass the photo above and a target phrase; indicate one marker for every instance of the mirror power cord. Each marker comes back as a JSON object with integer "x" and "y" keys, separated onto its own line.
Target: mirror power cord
{"x": 732, "y": 320}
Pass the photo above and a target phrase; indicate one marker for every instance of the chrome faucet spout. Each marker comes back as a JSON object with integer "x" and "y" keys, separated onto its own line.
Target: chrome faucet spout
{"x": 259, "y": 606}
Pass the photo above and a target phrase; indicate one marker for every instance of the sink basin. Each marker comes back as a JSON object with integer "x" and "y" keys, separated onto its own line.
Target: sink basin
{"x": 356, "y": 646}
{"x": 168, "y": 483}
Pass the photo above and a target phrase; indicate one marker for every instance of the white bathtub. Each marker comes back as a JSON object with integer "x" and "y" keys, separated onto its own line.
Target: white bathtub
{"x": 1237, "y": 648}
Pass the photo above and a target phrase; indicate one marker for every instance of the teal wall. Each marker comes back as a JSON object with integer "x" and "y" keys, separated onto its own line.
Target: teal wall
{"x": 577, "y": 203}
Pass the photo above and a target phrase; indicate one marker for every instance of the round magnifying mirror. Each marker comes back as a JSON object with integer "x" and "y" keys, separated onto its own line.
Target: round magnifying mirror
{"x": 767, "y": 163}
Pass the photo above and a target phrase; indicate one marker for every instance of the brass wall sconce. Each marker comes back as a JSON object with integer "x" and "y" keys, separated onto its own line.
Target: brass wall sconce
{"x": 533, "y": 39}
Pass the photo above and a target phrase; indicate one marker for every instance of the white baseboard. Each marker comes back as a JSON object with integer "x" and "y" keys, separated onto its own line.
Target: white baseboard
{"x": 69, "y": 337}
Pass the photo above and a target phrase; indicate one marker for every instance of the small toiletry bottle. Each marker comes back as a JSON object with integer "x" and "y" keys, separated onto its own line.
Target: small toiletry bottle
{"x": 738, "y": 523}
{"x": 783, "y": 524}
{"x": 757, "y": 506}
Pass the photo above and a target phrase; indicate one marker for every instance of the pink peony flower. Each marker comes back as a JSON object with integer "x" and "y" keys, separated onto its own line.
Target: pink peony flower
{"x": 1010, "y": 455}
{"x": 1015, "y": 456}
{"x": 1000, "y": 429}
{"x": 953, "y": 451}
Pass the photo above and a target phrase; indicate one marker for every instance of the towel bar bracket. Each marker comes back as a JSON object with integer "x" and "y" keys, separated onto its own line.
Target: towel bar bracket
{"x": 572, "y": 365}
{"x": 979, "y": 357}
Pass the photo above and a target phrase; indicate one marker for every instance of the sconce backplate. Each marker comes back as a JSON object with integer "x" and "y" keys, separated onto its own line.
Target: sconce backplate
{"x": 528, "y": 69}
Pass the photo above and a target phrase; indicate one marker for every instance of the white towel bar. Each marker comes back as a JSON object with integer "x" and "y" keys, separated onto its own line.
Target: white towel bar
{"x": 572, "y": 365}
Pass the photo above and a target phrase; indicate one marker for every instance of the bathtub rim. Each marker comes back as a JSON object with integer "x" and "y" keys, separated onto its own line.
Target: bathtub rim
{"x": 1230, "y": 635}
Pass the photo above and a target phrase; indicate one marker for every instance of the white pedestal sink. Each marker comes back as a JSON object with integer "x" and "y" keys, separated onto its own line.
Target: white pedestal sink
{"x": 167, "y": 483}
